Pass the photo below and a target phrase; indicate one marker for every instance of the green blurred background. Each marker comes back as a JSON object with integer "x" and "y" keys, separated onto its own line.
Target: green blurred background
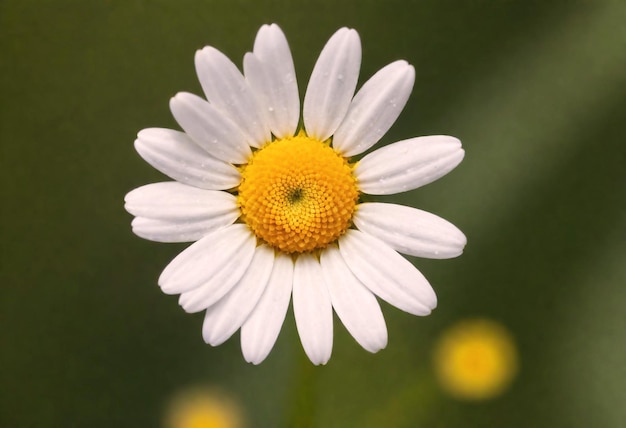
{"x": 536, "y": 90}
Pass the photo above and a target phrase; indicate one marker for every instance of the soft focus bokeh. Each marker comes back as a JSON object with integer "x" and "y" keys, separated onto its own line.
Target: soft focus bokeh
{"x": 536, "y": 90}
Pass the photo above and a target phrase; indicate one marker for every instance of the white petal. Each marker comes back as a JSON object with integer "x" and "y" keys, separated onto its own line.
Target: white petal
{"x": 228, "y": 314}
{"x": 174, "y": 212}
{"x": 312, "y": 309}
{"x": 332, "y": 84}
{"x": 217, "y": 286}
{"x": 375, "y": 108}
{"x": 224, "y": 253}
{"x": 227, "y": 90}
{"x": 260, "y": 331}
{"x": 210, "y": 128}
{"x": 179, "y": 157}
{"x": 172, "y": 231}
{"x": 178, "y": 202}
{"x": 355, "y": 305}
{"x": 386, "y": 273}
{"x": 408, "y": 164}
{"x": 410, "y": 231}
{"x": 272, "y": 75}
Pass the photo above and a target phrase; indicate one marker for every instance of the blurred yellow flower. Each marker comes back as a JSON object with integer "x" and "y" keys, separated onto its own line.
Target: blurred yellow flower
{"x": 475, "y": 359}
{"x": 203, "y": 408}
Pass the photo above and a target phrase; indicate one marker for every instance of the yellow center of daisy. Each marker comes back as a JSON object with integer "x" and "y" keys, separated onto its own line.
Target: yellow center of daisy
{"x": 297, "y": 194}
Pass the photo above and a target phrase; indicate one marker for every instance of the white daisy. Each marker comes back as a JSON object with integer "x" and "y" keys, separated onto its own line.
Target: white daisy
{"x": 275, "y": 211}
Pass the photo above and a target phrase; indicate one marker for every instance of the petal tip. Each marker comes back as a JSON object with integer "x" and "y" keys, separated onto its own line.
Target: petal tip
{"x": 254, "y": 356}
{"x": 319, "y": 360}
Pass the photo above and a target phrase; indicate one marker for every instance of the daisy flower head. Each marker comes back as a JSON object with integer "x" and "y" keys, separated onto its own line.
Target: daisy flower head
{"x": 275, "y": 210}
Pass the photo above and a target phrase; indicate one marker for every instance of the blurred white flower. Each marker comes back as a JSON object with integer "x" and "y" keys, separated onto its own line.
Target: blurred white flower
{"x": 275, "y": 210}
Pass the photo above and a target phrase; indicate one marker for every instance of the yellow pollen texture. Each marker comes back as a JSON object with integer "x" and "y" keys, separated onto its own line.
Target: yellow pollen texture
{"x": 297, "y": 194}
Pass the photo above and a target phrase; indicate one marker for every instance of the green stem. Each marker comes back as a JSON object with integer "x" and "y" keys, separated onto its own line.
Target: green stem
{"x": 304, "y": 399}
{"x": 417, "y": 401}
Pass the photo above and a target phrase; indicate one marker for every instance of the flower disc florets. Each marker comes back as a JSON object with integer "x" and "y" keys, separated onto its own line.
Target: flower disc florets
{"x": 298, "y": 194}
